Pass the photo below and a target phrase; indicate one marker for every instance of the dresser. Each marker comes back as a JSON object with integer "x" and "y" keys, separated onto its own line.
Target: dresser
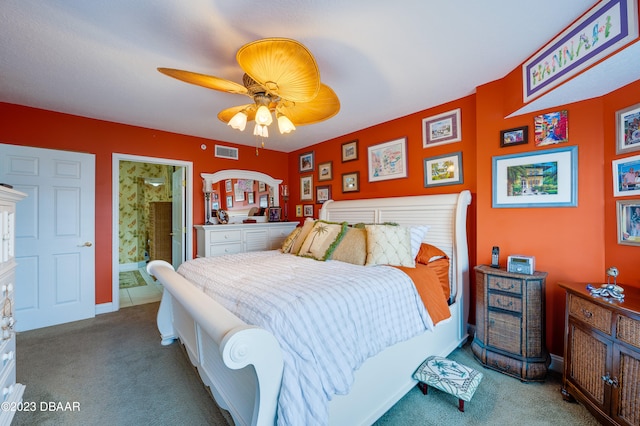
{"x": 602, "y": 354}
{"x": 160, "y": 231}
{"x": 217, "y": 240}
{"x": 510, "y": 323}
{"x": 11, "y": 394}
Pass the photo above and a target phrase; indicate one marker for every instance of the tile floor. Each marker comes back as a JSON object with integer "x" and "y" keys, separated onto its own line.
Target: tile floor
{"x": 152, "y": 292}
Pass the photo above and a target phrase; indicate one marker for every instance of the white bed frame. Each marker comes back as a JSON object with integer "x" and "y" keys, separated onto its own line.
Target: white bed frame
{"x": 242, "y": 364}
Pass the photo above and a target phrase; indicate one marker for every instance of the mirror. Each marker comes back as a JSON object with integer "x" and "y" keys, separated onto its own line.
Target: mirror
{"x": 241, "y": 193}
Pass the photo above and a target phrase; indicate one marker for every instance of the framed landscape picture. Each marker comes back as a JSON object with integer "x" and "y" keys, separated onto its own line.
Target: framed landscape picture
{"x": 306, "y": 162}
{"x": 323, "y": 193}
{"x": 351, "y": 182}
{"x": 517, "y": 136}
{"x": 443, "y": 170}
{"x": 388, "y": 160}
{"x": 628, "y": 220}
{"x": 349, "y": 151}
{"x": 442, "y": 128}
{"x": 536, "y": 179}
{"x": 325, "y": 171}
{"x": 551, "y": 128}
{"x": 306, "y": 188}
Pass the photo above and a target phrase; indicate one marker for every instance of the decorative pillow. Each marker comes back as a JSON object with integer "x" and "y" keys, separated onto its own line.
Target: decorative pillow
{"x": 441, "y": 268}
{"x": 429, "y": 253}
{"x": 389, "y": 245}
{"x": 322, "y": 240}
{"x": 291, "y": 238}
{"x": 304, "y": 231}
{"x": 417, "y": 235}
{"x": 352, "y": 248}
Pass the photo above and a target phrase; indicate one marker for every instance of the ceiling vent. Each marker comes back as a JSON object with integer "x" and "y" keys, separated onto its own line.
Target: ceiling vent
{"x": 226, "y": 152}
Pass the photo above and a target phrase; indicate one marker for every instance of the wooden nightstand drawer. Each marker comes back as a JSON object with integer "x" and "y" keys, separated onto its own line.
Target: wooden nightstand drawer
{"x": 628, "y": 330}
{"x": 508, "y": 303}
{"x": 509, "y": 285}
{"x": 226, "y": 236}
{"x": 590, "y": 313}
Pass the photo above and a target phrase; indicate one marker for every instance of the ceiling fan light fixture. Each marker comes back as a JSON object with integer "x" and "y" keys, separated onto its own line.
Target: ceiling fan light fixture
{"x": 263, "y": 116}
{"x": 260, "y": 130}
{"x": 284, "y": 124}
{"x": 238, "y": 121}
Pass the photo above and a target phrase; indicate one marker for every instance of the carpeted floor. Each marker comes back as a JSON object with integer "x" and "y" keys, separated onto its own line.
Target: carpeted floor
{"x": 114, "y": 367}
{"x": 130, "y": 279}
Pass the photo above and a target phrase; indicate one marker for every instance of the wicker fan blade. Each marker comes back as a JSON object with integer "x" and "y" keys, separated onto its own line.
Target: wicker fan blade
{"x": 227, "y": 114}
{"x": 283, "y": 67}
{"x": 207, "y": 81}
{"x": 323, "y": 107}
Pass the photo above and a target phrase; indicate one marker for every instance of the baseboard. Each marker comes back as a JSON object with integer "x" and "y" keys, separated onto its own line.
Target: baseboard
{"x": 133, "y": 266}
{"x": 104, "y": 308}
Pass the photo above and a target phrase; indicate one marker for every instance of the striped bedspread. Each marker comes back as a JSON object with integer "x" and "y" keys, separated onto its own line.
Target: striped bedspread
{"x": 329, "y": 317}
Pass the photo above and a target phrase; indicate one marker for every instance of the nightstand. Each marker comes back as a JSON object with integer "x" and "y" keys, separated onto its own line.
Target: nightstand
{"x": 510, "y": 323}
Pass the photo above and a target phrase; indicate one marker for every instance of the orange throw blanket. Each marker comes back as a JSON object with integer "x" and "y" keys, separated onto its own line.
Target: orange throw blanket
{"x": 428, "y": 285}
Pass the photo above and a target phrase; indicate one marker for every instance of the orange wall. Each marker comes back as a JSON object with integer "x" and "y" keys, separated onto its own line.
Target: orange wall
{"x": 46, "y": 129}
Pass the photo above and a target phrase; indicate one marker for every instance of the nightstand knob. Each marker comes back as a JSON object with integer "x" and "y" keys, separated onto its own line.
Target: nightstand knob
{"x": 586, "y": 313}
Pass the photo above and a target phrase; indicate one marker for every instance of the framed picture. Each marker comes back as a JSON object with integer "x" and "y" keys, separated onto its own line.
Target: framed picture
{"x": 262, "y": 186}
{"x": 308, "y": 210}
{"x": 228, "y": 187}
{"x": 274, "y": 214}
{"x": 229, "y": 201}
{"x": 325, "y": 171}
{"x": 306, "y": 188}
{"x": 264, "y": 201}
{"x": 238, "y": 193}
{"x": 628, "y": 218}
{"x": 628, "y": 129}
{"x": 442, "y": 128}
{"x": 306, "y": 162}
{"x": 551, "y": 128}
{"x": 626, "y": 176}
{"x": 517, "y": 136}
{"x": 388, "y": 160}
{"x": 351, "y": 182}
{"x": 215, "y": 205}
{"x": 443, "y": 170}
{"x": 349, "y": 151}
{"x": 323, "y": 193}
{"x": 536, "y": 179}
{"x": 298, "y": 210}
{"x": 251, "y": 198}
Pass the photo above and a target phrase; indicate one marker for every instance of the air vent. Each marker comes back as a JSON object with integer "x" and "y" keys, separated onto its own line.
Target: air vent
{"x": 226, "y": 152}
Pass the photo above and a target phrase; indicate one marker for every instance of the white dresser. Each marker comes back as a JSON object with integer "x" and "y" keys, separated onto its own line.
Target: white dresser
{"x": 217, "y": 240}
{"x": 11, "y": 392}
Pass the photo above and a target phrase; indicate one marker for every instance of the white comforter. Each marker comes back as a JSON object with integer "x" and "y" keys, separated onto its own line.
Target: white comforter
{"x": 329, "y": 317}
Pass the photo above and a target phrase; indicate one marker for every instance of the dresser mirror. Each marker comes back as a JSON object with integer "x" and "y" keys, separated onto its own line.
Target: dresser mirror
{"x": 240, "y": 194}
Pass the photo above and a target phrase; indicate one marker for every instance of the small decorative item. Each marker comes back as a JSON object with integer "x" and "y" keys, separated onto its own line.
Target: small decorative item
{"x": 626, "y": 176}
{"x": 306, "y": 162}
{"x": 349, "y": 151}
{"x": 274, "y": 214}
{"x": 351, "y": 182}
{"x": 441, "y": 129}
{"x": 388, "y": 160}
{"x": 536, "y": 179}
{"x": 325, "y": 171}
{"x": 308, "y": 210}
{"x": 608, "y": 290}
{"x": 323, "y": 193}
{"x": 223, "y": 216}
{"x": 443, "y": 170}
{"x": 517, "y": 136}
{"x": 551, "y": 128}
{"x": 628, "y": 129}
{"x": 628, "y": 220}
{"x": 306, "y": 188}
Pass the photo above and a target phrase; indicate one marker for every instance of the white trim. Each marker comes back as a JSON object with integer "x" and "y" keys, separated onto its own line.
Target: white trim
{"x": 104, "y": 308}
{"x": 211, "y": 178}
{"x": 115, "y": 202}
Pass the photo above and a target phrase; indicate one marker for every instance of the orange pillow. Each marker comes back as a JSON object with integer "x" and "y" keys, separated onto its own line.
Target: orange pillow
{"x": 441, "y": 268}
{"x": 427, "y": 251}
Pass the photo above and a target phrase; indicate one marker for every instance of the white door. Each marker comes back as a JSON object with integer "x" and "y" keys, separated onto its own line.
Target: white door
{"x": 178, "y": 230}
{"x": 55, "y": 230}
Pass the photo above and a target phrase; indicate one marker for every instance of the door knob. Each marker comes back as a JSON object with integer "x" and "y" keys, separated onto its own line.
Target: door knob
{"x": 86, "y": 244}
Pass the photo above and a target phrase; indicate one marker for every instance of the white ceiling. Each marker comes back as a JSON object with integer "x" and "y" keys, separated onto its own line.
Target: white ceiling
{"x": 384, "y": 60}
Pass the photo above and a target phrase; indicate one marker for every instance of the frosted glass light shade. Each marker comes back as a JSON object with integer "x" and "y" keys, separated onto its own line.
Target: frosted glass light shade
{"x": 261, "y": 130}
{"x": 238, "y": 121}
{"x": 263, "y": 116}
{"x": 285, "y": 125}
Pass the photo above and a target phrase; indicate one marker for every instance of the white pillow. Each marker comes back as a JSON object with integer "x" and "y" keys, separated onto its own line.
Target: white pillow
{"x": 417, "y": 236}
{"x": 389, "y": 245}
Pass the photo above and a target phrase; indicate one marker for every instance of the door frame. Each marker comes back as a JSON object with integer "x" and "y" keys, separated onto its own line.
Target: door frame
{"x": 115, "y": 203}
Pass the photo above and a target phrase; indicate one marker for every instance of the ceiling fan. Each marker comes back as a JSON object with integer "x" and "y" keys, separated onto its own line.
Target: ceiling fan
{"x": 281, "y": 77}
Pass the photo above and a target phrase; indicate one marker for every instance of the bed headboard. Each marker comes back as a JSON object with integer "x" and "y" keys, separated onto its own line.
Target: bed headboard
{"x": 446, "y": 214}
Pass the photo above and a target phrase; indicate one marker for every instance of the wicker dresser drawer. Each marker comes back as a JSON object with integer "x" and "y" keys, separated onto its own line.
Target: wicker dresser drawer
{"x": 590, "y": 313}
{"x": 508, "y": 303}
{"x": 504, "y": 284}
{"x": 628, "y": 330}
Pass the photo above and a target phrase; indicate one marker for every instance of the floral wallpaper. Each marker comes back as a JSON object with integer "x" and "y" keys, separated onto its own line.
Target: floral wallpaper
{"x": 135, "y": 196}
